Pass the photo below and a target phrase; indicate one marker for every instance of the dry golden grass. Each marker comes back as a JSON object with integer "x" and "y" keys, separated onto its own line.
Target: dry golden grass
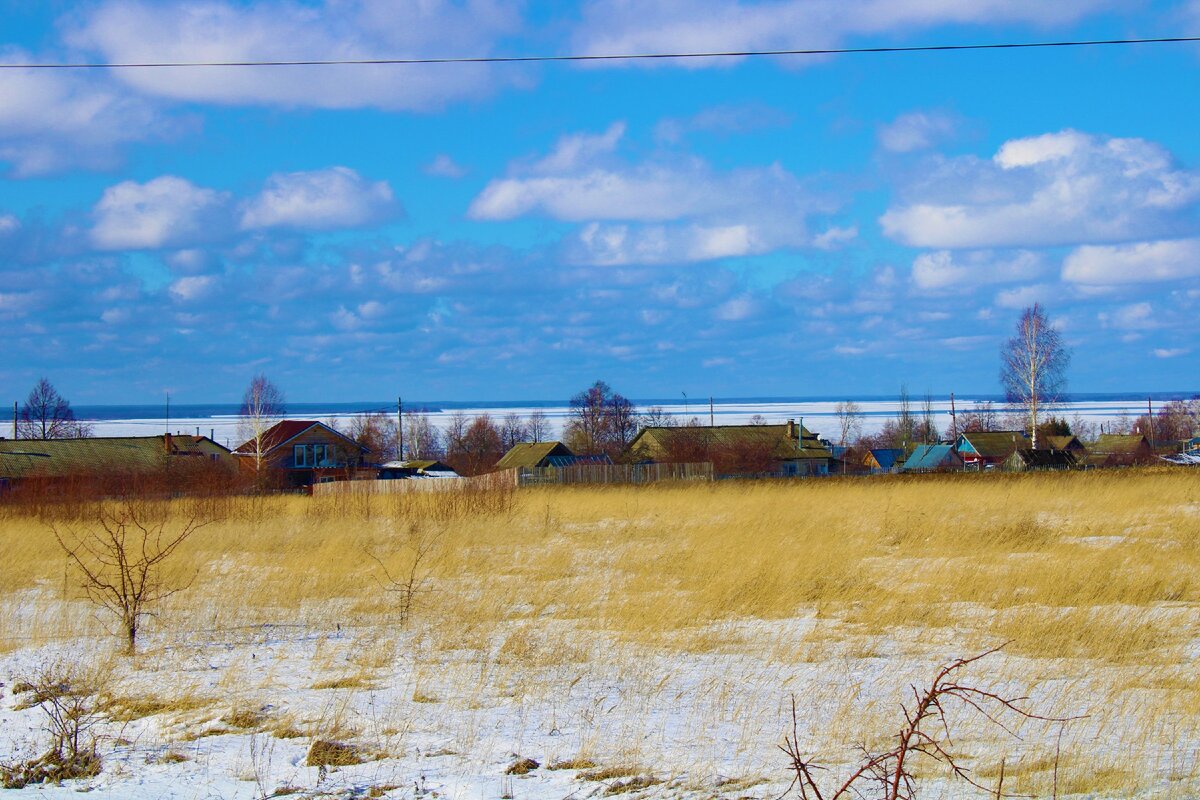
{"x": 1093, "y": 578}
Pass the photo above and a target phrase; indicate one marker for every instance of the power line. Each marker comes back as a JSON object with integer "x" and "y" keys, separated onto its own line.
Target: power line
{"x": 931, "y": 48}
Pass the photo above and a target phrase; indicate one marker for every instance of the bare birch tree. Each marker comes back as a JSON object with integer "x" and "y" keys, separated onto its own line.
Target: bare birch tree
{"x": 850, "y": 421}
{"x": 263, "y": 405}
{"x": 539, "y": 426}
{"x": 1033, "y": 365}
{"x": 420, "y": 437}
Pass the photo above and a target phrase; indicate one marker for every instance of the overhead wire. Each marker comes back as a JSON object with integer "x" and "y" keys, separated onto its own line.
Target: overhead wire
{"x": 824, "y": 51}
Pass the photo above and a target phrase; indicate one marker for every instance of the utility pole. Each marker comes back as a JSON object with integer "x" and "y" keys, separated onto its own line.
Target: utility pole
{"x": 1150, "y": 420}
{"x": 685, "y": 403}
{"x": 168, "y": 412}
{"x": 14, "y": 419}
{"x": 711, "y": 417}
{"x": 399, "y": 428}
{"x": 953, "y": 419}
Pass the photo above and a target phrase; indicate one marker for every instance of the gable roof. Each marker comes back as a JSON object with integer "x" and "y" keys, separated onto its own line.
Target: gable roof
{"x": 932, "y": 456}
{"x": 1060, "y": 443}
{"x": 531, "y": 454}
{"x": 992, "y": 444}
{"x": 283, "y": 432}
{"x": 886, "y": 457}
{"x": 58, "y": 458}
{"x": 656, "y": 440}
{"x": 1117, "y": 443}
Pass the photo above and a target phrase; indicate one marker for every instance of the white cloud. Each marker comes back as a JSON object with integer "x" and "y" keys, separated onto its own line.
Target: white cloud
{"x": 833, "y": 238}
{"x": 279, "y": 30}
{"x": 659, "y": 211}
{"x": 1135, "y": 316}
{"x": 192, "y": 287}
{"x": 1143, "y": 262}
{"x": 725, "y": 119}
{"x": 631, "y": 26}
{"x": 1024, "y": 296}
{"x": 1062, "y": 188}
{"x": 736, "y": 309}
{"x": 8, "y": 224}
{"x": 945, "y": 270}
{"x": 337, "y": 197}
{"x": 443, "y": 166}
{"x": 1170, "y": 352}
{"x": 917, "y": 130}
{"x": 53, "y": 121}
{"x": 164, "y": 212}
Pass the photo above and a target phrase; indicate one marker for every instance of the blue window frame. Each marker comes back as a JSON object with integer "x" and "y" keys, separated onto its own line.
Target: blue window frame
{"x": 300, "y": 455}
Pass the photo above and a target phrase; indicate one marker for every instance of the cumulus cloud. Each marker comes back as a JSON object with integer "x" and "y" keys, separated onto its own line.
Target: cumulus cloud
{"x": 630, "y": 26}
{"x": 192, "y": 287}
{"x": 327, "y": 199}
{"x": 1055, "y": 189}
{"x": 1170, "y": 352}
{"x": 281, "y": 30}
{"x": 917, "y": 130}
{"x": 725, "y": 119}
{"x": 1142, "y": 262}
{"x": 55, "y": 121}
{"x": 944, "y": 270}
{"x": 164, "y": 212}
{"x": 443, "y": 166}
{"x": 661, "y": 210}
{"x": 1025, "y": 296}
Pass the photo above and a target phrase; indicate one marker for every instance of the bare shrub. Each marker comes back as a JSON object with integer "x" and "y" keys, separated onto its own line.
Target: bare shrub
{"x": 120, "y": 559}
{"x": 417, "y": 549}
{"x": 890, "y": 775}
{"x": 69, "y": 702}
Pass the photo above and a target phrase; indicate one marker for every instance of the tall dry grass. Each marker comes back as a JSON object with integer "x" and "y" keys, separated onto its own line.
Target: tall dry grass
{"x": 1092, "y": 578}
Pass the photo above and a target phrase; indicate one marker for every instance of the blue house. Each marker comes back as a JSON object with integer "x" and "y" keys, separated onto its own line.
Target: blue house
{"x": 933, "y": 458}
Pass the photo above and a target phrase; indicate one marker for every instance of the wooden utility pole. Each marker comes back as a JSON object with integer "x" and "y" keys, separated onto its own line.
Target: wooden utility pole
{"x": 953, "y": 419}
{"x": 1150, "y": 420}
{"x": 711, "y": 417}
{"x": 399, "y": 428}
{"x": 14, "y": 419}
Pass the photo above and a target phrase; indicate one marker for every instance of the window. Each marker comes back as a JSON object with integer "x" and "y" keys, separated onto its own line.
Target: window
{"x": 300, "y": 455}
{"x": 321, "y": 455}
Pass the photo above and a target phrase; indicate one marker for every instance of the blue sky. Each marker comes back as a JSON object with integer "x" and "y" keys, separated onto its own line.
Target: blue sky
{"x": 784, "y": 226}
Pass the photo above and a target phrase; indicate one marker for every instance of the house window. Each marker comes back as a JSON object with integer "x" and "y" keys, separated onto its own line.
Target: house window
{"x": 321, "y": 455}
{"x": 300, "y": 455}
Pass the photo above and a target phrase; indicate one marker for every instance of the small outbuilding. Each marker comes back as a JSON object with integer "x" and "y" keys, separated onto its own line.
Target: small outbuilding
{"x": 1119, "y": 450}
{"x": 981, "y": 450}
{"x": 883, "y": 459}
{"x": 1026, "y": 459}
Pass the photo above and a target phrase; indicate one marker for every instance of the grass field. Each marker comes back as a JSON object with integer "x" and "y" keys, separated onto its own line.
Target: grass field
{"x": 645, "y": 640}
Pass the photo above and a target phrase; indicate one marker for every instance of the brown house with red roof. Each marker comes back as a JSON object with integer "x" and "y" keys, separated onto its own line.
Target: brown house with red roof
{"x": 298, "y": 453}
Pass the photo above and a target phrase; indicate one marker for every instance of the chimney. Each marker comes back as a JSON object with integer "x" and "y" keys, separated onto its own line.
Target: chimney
{"x": 791, "y": 429}
{"x": 167, "y": 442}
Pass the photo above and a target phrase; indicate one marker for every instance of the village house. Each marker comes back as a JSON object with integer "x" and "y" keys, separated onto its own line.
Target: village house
{"x": 542, "y": 455}
{"x": 1067, "y": 444}
{"x": 105, "y": 459}
{"x": 932, "y": 458}
{"x": 883, "y": 459}
{"x": 784, "y": 450}
{"x": 1026, "y": 459}
{"x": 300, "y": 453}
{"x": 981, "y": 450}
{"x": 1119, "y": 450}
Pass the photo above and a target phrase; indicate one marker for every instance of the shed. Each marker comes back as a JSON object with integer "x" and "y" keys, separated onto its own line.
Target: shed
{"x": 883, "y": 459}
{"x": 1119, "y": 450}
{"x": 535, "y": 455}
{"x": 1026, "y": 459}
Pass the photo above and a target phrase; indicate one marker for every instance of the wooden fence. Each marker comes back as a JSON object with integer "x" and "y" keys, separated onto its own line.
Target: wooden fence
{"x": 613, "y": 474}
{"x": 493, "y": 480}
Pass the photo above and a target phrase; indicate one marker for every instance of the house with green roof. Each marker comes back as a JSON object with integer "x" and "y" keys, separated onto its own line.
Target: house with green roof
{"x": 47, "y": 461}
{"x": 988, "y": 449}
{"x": 785, "y": 450}
{"x": 1119, "y": 450}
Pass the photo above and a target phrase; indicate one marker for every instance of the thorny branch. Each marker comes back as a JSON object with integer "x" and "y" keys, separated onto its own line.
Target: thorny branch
{"x": 891, "y": 772}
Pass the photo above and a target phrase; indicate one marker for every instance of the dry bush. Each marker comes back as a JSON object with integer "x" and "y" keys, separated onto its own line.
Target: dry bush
{"x": 69, "y": 701}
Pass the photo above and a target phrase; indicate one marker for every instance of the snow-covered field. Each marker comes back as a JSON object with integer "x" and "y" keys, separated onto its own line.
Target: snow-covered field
{"x": 641, "y": 642}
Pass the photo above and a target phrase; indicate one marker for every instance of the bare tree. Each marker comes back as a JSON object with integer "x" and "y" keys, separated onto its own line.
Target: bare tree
{"x": 758, "y": 419}
{"x": 456, "y": 431}
{"x": 377, "y": 432}
{"x": 72, "y": 707}
{"x": 478, "y": 449}
{"x": 656, "y": 417}
{"x": 263, "y": 405}
{"x": 420, "y": 437}
{"x": 46, "y": 414}
{"x": 927, "y": 430}
{"x": 850, "y": 421}
{"x": 602, "y": 421}
{"x": 906, "y": 426}
{"x": 121, "y": 560}
{"x": 1033, "y": 365}
{"x": 540, "y": 428}
{"x": 418, "y": 551}
{"x": 513, "y": 430}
